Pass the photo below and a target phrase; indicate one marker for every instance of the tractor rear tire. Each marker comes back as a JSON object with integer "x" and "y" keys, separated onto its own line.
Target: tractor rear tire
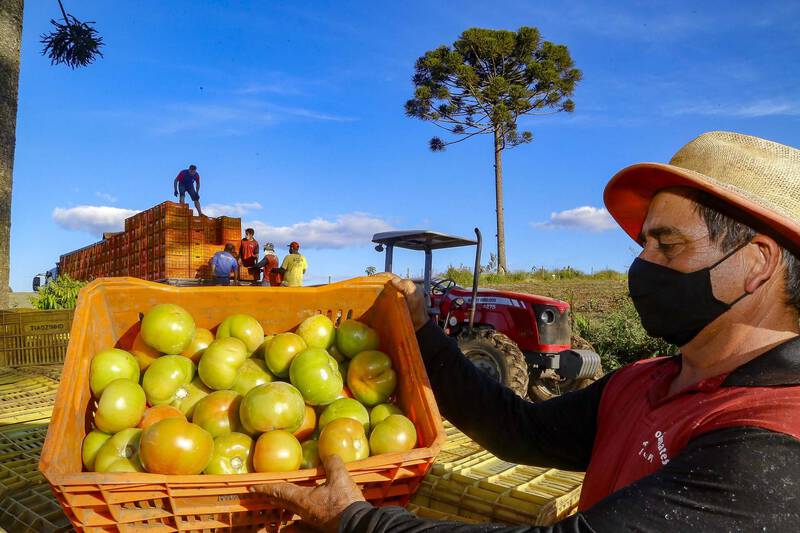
{"x": 498, "y": 356}
{"x": 544, "y": 388}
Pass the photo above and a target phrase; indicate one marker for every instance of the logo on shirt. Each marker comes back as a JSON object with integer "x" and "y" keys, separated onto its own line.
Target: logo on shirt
{"x": 658, "y": 451}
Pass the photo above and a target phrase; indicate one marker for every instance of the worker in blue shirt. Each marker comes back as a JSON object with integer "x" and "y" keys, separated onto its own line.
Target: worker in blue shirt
{"x": 185, "y": 183}
{"x": 222, "y": 264}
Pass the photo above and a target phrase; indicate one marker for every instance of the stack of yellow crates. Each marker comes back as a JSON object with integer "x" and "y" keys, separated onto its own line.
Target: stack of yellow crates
{"x": 469, "y": 484}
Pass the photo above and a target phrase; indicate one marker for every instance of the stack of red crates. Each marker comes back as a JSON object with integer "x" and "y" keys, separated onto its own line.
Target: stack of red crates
{"x": 164, "y": 242}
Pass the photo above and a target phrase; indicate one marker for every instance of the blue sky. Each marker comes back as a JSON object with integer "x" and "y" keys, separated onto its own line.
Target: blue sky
{"x": 293, "y": 113}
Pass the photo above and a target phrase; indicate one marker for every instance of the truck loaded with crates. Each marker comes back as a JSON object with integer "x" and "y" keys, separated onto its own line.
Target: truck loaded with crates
{"x": 165, "y": 243}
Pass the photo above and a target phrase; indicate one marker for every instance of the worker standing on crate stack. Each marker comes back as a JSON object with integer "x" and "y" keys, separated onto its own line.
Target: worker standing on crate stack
{"x": 708, "y": 440}
{"x": 248, "y": 253}
{"x": 223, "y": 264}
{"x": 185, "y": 183}
{"x": 272, "y": 273}
{"x": 293, "y": 267}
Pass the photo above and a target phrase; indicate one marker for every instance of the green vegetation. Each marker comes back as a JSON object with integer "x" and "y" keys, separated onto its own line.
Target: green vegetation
{"x": 619, "y": 337}
{"x": 59, "y": 294}
{"x": 463, "y": 275}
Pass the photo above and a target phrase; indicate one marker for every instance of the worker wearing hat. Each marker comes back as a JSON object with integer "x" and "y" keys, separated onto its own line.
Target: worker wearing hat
{"x": 708, "y": 440}
{"x": 294, "y": 266}
{"x": 272, "y": 274}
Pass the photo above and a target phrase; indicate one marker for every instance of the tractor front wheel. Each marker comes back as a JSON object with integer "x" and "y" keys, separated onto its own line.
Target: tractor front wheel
{"x": 496, "y": 355}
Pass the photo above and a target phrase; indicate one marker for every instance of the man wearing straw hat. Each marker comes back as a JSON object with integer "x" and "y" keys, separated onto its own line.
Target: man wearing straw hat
{"x": 708, "y": 440}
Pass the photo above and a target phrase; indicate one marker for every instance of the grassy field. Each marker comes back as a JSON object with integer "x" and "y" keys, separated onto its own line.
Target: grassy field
{"x": 588, "y": 297}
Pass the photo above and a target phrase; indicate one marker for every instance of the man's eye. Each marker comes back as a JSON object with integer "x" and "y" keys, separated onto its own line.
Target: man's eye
{"x": 667, "y": 246}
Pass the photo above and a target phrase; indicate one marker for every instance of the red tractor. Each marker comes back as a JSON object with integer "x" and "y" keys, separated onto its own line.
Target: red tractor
{"x": 522, "y": 340}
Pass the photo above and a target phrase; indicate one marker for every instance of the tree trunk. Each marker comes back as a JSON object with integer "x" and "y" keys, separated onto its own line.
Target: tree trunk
{"x": 10, "y": 42}
{"x": 498, "y": 188}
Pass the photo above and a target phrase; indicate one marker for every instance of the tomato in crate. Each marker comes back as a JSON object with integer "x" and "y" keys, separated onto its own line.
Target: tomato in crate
{"x": 108, "y": 310}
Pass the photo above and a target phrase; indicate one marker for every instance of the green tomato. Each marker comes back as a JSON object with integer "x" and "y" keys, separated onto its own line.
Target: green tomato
{"x": 354, "y": 337}
{"x": 379, "y": 413}
{"x": 316, "y": 375}
{"x": 277, "y": 451}
{"x": 345, "y": 408}
{"x": 166, "y": 379}
{"x": 168, "y": 328}
{"x": 310, "y": 454}
{"x": 218, "y": 413}
{"x": 120, "y": 453}
{"x": 395, "y": 434}
{"x": 317, "y": 331}
{"x": 109, "y": 365}
{"x": 252, "y": 373}
{"x": 233, "y": 454}
{"x": 121, "y": 406}
{"x": 282, "y": 350}
{"x": 371, "y": 378}
{"x": 195, "y": 391}
{"x": 243, "y": 327}
{"x": 220, "y": 363}
{"x": 275, "y": 405}
{"x": 92, "y": 443}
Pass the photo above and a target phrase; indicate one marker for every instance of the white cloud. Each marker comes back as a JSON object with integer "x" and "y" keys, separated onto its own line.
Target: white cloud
{"x": 107, "y": 197}
{"x": 232, "y": 210}
{"x": 94, "y": 219}
{"x": 232, "y": 118}
{"x": 303, "y": 112}
{"x": 351, "y": 229}
{"x": 755, "y": 109}
{"x": 220, "y": 119}
{"x": 583, "y": 218}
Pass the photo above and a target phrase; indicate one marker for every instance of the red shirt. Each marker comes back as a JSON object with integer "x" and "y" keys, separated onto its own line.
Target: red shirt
{"x": 639, "y": 428}
{"x": 275, "y": 279}
{"x": 248, "y": 252}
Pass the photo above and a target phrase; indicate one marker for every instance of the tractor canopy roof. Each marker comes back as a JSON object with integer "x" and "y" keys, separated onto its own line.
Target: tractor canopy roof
{"x": 421, "y": 240}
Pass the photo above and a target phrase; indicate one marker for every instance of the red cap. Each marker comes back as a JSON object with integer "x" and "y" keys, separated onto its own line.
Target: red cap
{"x": 294, "y": 244}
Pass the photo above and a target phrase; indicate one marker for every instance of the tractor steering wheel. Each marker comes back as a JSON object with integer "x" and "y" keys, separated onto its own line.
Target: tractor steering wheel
{"x": 442, "y": 286}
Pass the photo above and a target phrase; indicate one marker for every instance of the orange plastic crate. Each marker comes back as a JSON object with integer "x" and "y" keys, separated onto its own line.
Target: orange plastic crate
{"x": 109, "y": 309}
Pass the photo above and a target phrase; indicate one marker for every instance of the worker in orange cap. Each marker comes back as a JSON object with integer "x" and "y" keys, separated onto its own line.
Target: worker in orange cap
{"x": 293, "y": 267}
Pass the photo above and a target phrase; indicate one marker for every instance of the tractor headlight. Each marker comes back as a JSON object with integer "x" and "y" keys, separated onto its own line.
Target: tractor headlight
{"x": 459, "y": 301}
{"x": 548, "y": 316}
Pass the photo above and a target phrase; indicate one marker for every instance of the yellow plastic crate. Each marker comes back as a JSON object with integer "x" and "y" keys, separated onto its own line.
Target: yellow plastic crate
{"x": 34, "y": 337}
{"x": 33, "y": 510}
{"x": 17, "y": 471}
{"x": 469, "y": 483}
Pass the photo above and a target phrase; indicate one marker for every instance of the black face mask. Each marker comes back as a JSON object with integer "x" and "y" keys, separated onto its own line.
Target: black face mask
{"x": 675, "y": 305}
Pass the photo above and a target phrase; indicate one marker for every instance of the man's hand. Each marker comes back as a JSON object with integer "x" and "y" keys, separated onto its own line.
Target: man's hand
{"x": 415, "y": 301}
{"x": 176, "y": 193}
{"x": 322, "y": 506}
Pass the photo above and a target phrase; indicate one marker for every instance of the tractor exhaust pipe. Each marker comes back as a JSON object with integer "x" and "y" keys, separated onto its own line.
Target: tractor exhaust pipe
{"x": 476, "y": 273}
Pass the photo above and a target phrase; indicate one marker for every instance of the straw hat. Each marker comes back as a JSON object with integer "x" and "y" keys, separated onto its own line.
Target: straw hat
{"x": 758, "y": 179}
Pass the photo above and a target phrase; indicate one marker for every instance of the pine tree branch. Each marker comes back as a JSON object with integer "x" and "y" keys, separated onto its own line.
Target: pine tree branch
{"x": 468, "y": 136}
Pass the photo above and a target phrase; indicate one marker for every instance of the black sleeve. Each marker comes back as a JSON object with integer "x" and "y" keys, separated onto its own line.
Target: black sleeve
{"x": 735, "y": 479}
{"x": 558, "y": 433}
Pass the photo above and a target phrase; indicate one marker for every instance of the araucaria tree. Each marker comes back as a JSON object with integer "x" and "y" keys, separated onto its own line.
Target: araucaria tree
{"x": 483, "y": 84}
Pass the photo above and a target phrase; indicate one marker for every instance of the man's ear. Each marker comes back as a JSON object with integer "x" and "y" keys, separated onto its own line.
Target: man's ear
{"x": 766, "y": 256}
